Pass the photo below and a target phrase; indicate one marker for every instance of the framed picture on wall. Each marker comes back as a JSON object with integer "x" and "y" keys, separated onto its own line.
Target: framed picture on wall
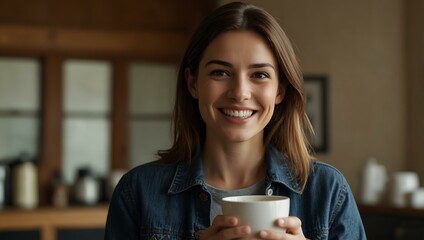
{"x": 316, "y": 108}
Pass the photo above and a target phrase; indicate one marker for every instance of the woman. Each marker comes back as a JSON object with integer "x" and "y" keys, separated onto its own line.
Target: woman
{"x": 239, "y": 123}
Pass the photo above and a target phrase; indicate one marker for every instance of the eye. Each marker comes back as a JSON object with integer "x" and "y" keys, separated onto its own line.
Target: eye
{"x": 260, "y": 75}
{"x": 219, "y": 74}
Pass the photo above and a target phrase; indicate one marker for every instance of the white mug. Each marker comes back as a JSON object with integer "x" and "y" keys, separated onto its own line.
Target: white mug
{"x": 260, "y": 212}
{"x": 417, "y": 198}
{"x": 403, "y": 183}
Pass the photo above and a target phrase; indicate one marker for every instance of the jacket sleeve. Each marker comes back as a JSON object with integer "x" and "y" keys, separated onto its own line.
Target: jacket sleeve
{"x": 346, "y": 222}
{"x": 122, "y": 220}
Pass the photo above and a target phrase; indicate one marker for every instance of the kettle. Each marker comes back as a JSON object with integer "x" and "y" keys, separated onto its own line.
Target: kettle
{"x": 374, "y": 182}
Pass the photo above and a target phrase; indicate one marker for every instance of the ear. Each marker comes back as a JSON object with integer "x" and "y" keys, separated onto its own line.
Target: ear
{"x": 191, "y": 83}
{"x": 281, "y": 92}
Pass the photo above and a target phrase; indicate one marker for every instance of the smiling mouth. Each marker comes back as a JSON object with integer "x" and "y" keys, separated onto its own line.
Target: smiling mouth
{"x": 241, "y": 114}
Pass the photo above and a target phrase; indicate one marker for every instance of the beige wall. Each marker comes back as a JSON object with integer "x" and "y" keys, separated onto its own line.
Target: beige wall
{"x": 360, "y": 46}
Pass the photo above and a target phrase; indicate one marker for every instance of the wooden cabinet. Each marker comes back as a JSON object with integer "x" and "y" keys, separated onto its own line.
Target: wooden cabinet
{"x": 119, "y": 50}
{"x": 119, "y": 32}
{"x": 391, "y": 223}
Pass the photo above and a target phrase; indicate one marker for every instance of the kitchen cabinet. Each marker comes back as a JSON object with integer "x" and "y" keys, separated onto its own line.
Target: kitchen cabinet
{"x": 112, "y": 36}
{"x": 59, "y": 36}
{"x": 86, "y": 117}
{"x": 19, "y": 117}
{"x": 392, "y": 223}
{"x": 150, "y": 109}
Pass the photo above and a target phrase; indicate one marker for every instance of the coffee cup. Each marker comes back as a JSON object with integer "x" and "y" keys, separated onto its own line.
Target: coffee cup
{"x": 403, "y": 183}
{"x": 260, "y": 212}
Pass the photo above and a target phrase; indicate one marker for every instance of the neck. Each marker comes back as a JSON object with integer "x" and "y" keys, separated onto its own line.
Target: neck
{"x": 234, "y": 165}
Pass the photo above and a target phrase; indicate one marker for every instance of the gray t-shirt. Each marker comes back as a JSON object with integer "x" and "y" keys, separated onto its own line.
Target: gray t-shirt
{"x": 218, "y": 194}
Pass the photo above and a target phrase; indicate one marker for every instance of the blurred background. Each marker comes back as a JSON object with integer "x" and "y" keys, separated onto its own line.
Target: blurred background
{"x": 86, "y": 93}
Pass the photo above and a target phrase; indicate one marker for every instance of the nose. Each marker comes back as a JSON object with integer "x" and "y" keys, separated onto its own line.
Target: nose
{"x": 239, "y": 89}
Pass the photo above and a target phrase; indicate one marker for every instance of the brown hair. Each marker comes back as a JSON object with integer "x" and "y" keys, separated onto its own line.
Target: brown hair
{"x": 286, "y": 127}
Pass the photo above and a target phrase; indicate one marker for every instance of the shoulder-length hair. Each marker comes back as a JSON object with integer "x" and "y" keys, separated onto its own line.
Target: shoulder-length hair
{"x": 286, "y": 127}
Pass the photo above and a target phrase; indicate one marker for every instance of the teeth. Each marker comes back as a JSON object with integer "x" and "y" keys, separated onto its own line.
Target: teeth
{"x": 238, "y": 114}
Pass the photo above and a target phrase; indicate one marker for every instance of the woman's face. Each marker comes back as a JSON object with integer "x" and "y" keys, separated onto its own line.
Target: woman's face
{"x": 237, "y": 86}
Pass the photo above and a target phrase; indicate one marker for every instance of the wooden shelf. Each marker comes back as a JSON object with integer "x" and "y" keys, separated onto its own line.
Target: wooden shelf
{"x": 391, "y": 210}
{"x": 146, "y": 44}
{"x": 48, "y": 219}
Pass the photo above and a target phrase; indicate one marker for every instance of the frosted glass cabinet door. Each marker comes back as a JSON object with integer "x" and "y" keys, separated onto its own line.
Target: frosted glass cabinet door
{"x": 19, "y": 84}
{"x": 87, "y": 86}
{"x": 86, "y": 145}
{"x": 86, "y": 126}
{"x": 19, "y": 106}
{"x": 152, "y": 88}
{"x": 147, "y": 137}
{"x": 18, "y": 135}
{"x": 151, "y": 101}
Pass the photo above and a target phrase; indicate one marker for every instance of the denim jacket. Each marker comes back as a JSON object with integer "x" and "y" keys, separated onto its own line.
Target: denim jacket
{"x": 170, "y": 201}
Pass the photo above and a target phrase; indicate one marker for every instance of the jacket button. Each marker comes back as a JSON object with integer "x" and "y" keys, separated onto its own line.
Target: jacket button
{"x": 269, "y": 192}
{"x": 203, "y": 197}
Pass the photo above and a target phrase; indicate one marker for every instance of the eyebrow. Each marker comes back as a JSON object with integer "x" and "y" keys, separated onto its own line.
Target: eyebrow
{"x": 227, "y": 64}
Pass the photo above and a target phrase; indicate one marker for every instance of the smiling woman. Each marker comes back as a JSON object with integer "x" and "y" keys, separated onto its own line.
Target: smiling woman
{"x": 239, "y": 121}
{"x": 236, "y": 77}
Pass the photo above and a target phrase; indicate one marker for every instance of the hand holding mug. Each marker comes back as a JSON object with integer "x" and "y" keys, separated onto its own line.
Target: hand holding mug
{"x": 259, "y": 212}
{"x": 225, "y": 227}
{"x": 293, "y": 225}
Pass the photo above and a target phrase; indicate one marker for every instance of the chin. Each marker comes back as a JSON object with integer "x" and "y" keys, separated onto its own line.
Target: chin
{"x": 238, "y": 138}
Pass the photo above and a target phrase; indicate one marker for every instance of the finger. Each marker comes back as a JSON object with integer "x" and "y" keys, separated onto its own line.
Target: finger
{"x": 271, "y": 235}
{"x": 222, "y": 221}
{"x": 248, "y": 238}
{"x": 292, "y": 224}
{"x": 218, "y": 223}
{"x": 239, "y": 232}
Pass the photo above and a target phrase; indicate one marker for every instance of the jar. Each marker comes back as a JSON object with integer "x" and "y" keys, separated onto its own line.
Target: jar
{"x": 60, "y": 196}
{"x": 25, "y": 184}
{"x": 87, "y": 188}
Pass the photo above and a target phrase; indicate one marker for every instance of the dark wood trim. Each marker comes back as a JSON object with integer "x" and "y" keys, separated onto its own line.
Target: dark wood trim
{"x": 119, "y": 149}
{"x": 150, "y": 117}
{"x": 387, "y": 210}
{"x": 20, "y": 113}
{"x": 84, "y": 114}
{"x": 51, "y": 127}
{"x": 152, "y": 45}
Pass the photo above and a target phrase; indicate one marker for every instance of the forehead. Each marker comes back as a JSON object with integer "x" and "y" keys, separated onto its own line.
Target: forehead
{"x": 239, "y": 47}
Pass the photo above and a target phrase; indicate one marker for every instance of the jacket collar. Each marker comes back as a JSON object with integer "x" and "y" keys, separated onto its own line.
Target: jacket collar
{"x": 188, "y": 175}
{"x": 280, "y": 170}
